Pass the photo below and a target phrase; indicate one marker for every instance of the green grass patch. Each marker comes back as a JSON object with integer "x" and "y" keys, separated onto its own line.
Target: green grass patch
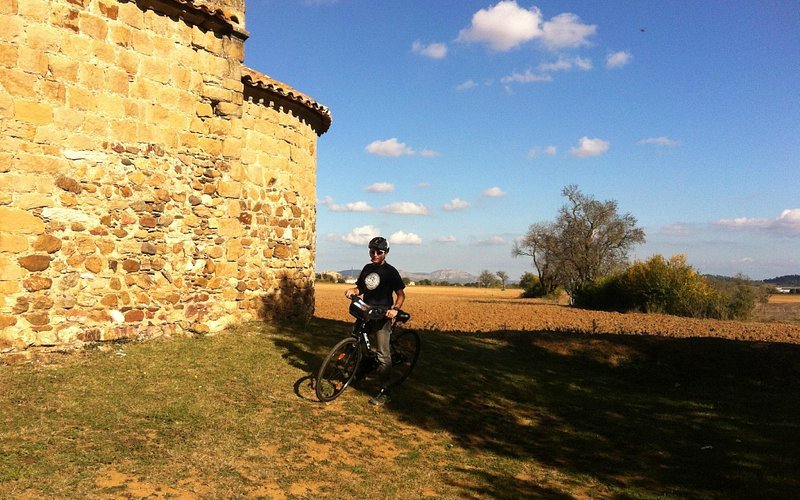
{"x": 497, "y": 415}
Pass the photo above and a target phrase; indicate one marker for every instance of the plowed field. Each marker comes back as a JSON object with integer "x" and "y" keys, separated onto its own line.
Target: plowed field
{"x": 487, "y": 310}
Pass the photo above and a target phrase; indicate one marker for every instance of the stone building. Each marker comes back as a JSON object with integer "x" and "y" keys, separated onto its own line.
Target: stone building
{"x": 150, "y": 183}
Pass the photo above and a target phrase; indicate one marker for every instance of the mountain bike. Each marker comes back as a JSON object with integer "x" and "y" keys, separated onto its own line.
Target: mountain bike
{"x": 353, "y": 358}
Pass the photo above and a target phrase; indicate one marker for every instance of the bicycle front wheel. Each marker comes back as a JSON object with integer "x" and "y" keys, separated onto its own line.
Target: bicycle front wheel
{"x": 405, "y": 352}
{"x": 338, "y": 370}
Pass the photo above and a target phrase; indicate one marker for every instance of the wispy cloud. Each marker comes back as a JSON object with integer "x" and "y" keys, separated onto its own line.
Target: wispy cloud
{"x": 567, "y": 64}
{"x": 658, "y": 141}
{"x": 527, "y": 77}
{"x": 428, "y": 153}
{"x": 618, "y": 59}
{"x": 432, "y": 50}
{"x": 506, "y": 26}
{"x": 446, "y": 239}
{"x": 537, "y": 151}
{"x": 494, "y": 192}
{"x": 403, "y": 238}
{"x": 469, "y": 84}
{"x": 380, "y": 187}
{"x": 676, "y": 229}
{"x": 589, "y": 147}
{"x": 785, "y": 224}
{"x": 544, "y": 70}
{"x": 490, "y": 241}
{"x": 456, "y": 204}
{"x": 405, "y": 208}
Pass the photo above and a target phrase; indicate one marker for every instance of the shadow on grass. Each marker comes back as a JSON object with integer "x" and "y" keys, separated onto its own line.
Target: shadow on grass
{"x": 640, "y": 415}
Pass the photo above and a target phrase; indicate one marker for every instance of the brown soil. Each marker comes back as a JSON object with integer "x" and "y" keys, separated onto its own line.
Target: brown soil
{"x": 486, "y": 310}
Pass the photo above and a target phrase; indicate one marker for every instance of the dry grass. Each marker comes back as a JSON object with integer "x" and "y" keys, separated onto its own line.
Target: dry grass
{"x": 498, "y": 414}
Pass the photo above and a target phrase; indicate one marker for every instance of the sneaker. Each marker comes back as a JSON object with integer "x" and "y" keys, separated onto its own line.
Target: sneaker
{"x": 380, "y": 399}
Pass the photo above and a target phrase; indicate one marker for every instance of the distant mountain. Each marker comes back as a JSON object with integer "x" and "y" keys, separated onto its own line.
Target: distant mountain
{"x": 449, "y": 275}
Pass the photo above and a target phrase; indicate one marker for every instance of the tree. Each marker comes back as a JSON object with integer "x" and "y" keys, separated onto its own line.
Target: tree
{"x": 542, "y": 245}
{"x": 486, "y": 279}
{"x": 588, "y": 239}
{"x": 503, "y": 277}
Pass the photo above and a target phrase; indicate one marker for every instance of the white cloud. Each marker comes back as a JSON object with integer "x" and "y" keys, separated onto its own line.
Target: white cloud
{"x": 527, "y": 77}
{"x": 393, "y": 147}
{"x": 786, "y": 224}
{"x": 358, "y": 206}
{"x": 566, "y": 64}
{"x": 507, "y": 25}
{"x": 566, "y": 31}
{"x": 446, "y": 239}
{"x": 618, "y": 59}
{"x": 658, "y": 141}
{"x": 433, "y": 50}
{"x": 550, "y": 150}
{"x": 402, "y": 238}
{"x": 494, "y": 192}
{"x": 405, "y": 208}
{"x": 469, "y": 84}
{"x": 389, "y": 147}
{"x": 380, "y": 187}
{"x": 589, "y": 147}
{"x": 423, "y": 185}
{"x": 455, "y": 204}
{"x": 503, "y": 26}
{"x": 361, "y": 235}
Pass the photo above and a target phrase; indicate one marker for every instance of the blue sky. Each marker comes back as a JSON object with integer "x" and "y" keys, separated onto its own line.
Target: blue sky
{"x": 457, "y": 123}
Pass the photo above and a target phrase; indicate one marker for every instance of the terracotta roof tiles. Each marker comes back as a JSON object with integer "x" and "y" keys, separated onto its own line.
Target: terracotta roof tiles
{"x": 261, "y": 81}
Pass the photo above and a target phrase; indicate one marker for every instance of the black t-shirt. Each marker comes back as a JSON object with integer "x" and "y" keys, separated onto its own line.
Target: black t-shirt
{"x": 378, "y": 282}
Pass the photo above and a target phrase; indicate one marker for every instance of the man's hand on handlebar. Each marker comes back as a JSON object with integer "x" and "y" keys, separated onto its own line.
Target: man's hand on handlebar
{"x": 351, "y": 292}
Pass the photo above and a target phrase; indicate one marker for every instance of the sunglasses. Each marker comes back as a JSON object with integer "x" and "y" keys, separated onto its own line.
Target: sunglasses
{"x": 373, "y": 251}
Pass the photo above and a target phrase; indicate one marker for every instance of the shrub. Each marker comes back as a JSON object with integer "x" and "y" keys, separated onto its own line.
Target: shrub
{"x": 669, "y": 287}
{"x": 531, "y": 286}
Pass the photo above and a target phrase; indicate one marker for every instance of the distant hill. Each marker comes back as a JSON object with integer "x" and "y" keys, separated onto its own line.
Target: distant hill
{"x": 449, "y": 275}
{"x": 787, "y": 280}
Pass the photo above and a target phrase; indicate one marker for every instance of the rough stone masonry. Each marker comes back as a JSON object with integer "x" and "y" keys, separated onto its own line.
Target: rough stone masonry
{"x": 150, "y": 183}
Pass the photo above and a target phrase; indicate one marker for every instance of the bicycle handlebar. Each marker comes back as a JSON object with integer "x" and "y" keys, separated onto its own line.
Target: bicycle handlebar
{"x": 368, "y": 310}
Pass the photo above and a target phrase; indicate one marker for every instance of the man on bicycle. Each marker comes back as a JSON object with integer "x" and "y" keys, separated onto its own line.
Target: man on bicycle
{"x": 381, "y": 285}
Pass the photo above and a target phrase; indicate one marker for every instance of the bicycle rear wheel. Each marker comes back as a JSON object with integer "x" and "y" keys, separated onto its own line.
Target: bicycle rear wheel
{"x": 338, "y": 370}
{"x": 405, "y": 352}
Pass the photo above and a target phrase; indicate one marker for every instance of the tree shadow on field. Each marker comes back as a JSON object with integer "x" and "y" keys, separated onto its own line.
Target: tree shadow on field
{"x": 700, "y": 417}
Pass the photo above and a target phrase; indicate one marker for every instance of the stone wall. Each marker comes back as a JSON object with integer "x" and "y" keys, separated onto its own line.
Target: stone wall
{"x": 150, "y": 184}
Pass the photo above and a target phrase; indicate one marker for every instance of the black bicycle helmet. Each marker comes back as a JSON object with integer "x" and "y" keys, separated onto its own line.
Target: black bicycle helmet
{"x": 379, "y": 243}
